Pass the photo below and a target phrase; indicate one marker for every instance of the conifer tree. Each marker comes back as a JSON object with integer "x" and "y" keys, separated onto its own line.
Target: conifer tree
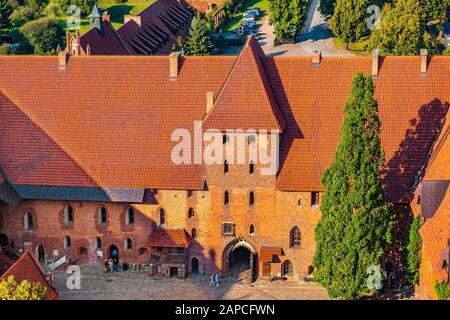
{"x": 5, "y": 12}
{"x": 356, "y": 222}
{"x": 348, "y": 22}
{"x": 198, "y": 42}
{"x": 413, "y": 250}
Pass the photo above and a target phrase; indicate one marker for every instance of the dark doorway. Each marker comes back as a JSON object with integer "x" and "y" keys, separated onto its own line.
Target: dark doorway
{"x": 241, "y": 264}
{"x": 194, "y": 265}
{"x": 114, "y": 252}
{"x": 173, "y": 272}
{"x": 3, "y": 240}
{"x": 41, "y": 254}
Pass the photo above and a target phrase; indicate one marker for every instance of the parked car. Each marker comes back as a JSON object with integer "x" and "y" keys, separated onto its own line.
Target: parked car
{"x": 249, "y": 17}
{"x": 254, "y": 11}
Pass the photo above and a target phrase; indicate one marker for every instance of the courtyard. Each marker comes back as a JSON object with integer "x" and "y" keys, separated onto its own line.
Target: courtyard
{"x": 129, "y": 285}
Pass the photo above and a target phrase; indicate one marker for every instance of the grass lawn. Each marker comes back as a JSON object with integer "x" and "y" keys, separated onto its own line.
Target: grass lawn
{"x": 263, "y": 5}
{"x": 357, "y": 48}
{"x": 116, "y": 10}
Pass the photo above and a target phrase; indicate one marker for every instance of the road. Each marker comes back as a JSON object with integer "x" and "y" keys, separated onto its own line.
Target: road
{"x": 315, "y": 36}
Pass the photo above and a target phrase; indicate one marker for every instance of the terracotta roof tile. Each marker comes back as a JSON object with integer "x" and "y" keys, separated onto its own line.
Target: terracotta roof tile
{"x": 436, "y": 238}
{"x": 267, "y": 254}
{"x": 169, "y": 238}
{"x": 107, "y": 42}
{"x": 27, "y": 268}
{"x": 246, "y": 100}
{"x": 312, "y": 100}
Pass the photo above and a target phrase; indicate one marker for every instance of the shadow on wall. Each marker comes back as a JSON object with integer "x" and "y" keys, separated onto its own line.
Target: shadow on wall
{"x": 402, "y": 171}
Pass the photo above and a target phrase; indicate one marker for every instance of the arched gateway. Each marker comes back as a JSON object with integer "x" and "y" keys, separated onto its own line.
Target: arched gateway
{"x": 239, "y": 260}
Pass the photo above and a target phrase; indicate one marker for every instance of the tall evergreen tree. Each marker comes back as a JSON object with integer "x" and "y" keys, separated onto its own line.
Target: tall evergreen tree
{"x": 5, "y": 12}
{"x": 198, "y": 42}
{"x": 413, "y": 252}
{"x": 356, "y": 221}
{"x": 402, "y": 29}
{"x": 348, "y": 22}
{"x": 287, "y": 17}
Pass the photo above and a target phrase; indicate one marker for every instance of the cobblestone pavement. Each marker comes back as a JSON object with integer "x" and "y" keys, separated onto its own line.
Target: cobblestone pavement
{"x": 127, "y": 285}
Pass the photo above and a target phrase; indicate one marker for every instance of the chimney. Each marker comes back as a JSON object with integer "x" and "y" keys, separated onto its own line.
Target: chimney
{"x": 174, "y": 62}
{"x": 136, "y": 19}
{"x": 63, "y": 58}
{"x": 316, "y": 59}
{"x": 209, "y": 101}
{"x": 423, "y": 62}
{"x": 106, "y": 16}
{"x": 375, "y": 63}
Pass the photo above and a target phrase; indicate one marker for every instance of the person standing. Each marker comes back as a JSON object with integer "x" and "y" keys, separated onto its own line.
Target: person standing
{"x": 216, "y": 280}
{"x": 211, "y": 280}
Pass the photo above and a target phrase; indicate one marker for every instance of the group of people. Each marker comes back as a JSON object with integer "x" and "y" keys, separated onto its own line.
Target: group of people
{"x": 214, "y": 280}
{"x": 112, "y": 264}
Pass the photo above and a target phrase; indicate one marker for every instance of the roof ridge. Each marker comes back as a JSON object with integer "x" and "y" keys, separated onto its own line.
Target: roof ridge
{"x": 255, "y": 54}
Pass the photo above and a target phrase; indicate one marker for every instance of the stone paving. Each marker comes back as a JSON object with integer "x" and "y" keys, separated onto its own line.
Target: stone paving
{"x": 128, "y": 285}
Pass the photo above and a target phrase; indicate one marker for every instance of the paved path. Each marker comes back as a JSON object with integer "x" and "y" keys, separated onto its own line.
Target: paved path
{"x": 315, "y": 36}
{"x": 128, "y": 285}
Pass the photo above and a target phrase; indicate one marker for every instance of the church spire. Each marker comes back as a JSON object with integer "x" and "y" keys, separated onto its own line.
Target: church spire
{"x": 95, "y": 19}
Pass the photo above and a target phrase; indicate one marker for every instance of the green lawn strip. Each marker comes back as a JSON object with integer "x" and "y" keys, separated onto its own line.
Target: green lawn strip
{"x": 357, "y": 48}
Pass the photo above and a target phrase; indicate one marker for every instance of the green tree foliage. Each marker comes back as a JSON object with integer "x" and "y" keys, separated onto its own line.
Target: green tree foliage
{"x": 22, "y": 15}
{"x": 43, "y": 34}
{"x": 85, "y": 5}
{"x": 5, "y": 12}
{"x": 413, "y": 255}
{"x": 442, "y": 290}
{"x": 6, "y": 49}
{"x": 198, "y": 42}
{"x": 287, "y": 16}
{"x": 402, "y": 29}
{"x": 356, "y": 223}
{"x": 434, "y": 9}
{"x": 326, "y": 7}
{"x": 178, "y": 46}
{"x": 348, "y": 22}
{"x": 11, "y": 290}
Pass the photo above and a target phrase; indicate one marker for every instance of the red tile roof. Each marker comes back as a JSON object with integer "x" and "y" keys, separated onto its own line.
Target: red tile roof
{"x": 267, "y": 254}
{"x": 105, "y": 42}
{"x": 107, "y": 121}
{"x": 161, "y": 25}
{"x": 169, "y": 238}
{"x": 27, "y": 268}
{"x": 246, "y": 100}
{"x": 439, "y": 164}
{"x": 436, "y": 238}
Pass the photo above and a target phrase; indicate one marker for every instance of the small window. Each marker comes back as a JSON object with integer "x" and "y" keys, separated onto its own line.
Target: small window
{"x": 28, "y": 221}
{"x": 68, "y": 214}
{"x": 251, "y": 167}
{"x": 226, "y": 198}
{"x": 225, "y": 167}
{"x": 251, "y": 139}
{"x": 143, "y": 251}
{"x": 162, "y": 217}
{"x": 226, "y": 139}
{"x": 228, "y": 228}
{"x": 314, "y": 199}
{"x": 286, "y": 268}
{"x": 67, "y": 242}
{"x": 128, "y": 244}
{"x": 98, "y": 243}
{"x": 82, "y": 251}
{"x": 419, "y": 200}
{"x": 102, "y": 218}
{"x": 190, "y": 193}
{"x": 251, "y": 200}
{"x": 295, "y": 238}
{"x": 299, "y": 202}
{"x": 129, "y": 216}
{"x": 191, "y": 213}
{"x": 194, "y": 233}
{"x": 252, "y": 230}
